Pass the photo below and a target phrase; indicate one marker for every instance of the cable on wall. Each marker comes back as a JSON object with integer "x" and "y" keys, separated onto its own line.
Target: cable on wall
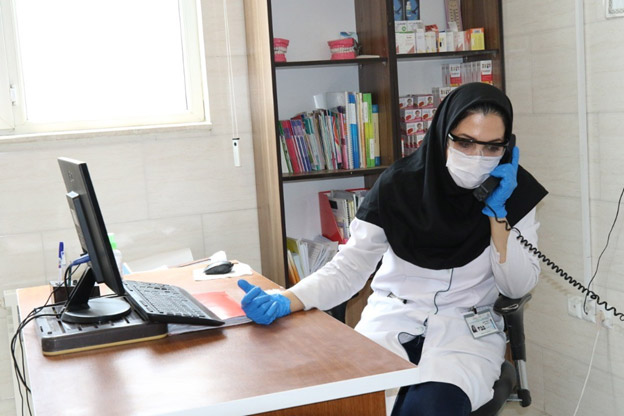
{"x": 234, "y": 118}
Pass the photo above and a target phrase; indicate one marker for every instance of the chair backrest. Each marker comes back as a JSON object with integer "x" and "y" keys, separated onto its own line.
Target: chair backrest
{"x": 513, "y": 377}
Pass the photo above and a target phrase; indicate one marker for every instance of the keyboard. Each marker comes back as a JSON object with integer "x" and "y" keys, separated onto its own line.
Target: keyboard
{"x": 158, "y": 302}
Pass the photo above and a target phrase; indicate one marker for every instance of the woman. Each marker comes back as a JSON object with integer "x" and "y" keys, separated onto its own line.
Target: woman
{"x": 445, "y": 256}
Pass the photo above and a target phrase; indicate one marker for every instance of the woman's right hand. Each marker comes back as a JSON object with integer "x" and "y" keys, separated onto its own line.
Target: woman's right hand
{"x": 261, "y": 307}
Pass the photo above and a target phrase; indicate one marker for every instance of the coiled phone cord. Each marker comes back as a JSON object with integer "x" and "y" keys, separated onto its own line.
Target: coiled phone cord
{"x": 559, "y": 270}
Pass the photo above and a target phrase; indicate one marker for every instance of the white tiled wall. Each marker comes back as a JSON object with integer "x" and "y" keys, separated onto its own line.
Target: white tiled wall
{"x": 158, "y": 190}
{"x": 540, "y": 55}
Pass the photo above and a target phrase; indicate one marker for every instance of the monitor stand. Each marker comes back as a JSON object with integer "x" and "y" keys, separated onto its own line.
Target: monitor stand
{"x": 82, "y": 309}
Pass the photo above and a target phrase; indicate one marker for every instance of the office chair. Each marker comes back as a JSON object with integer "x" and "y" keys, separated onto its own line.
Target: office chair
{"x": 512, "y": 384}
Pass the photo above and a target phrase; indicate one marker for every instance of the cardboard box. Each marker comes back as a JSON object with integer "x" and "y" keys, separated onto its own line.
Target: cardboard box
{"x": 413, "y": 128}
{"x": 460, "y": 41}
{"x": 431, "y": 42}
{"x": 485, "y": 72}
{"x": 427, "y": 113}
{"x": 425, "y": 101}
{"x": 477, "y": 39}
{"x": 407, "y": 102}
{"x": 455, "y": 75}
{"x": 411, "y": 115}
{"x": 439, "y": 94}
{"x": 405, "y": 42}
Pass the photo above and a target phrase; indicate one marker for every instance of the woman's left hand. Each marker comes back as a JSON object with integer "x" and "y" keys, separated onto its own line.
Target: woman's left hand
{"x": 508, "y": 172}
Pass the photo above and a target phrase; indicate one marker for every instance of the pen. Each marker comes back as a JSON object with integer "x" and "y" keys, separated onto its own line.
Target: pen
{"x": 61, "y": 260}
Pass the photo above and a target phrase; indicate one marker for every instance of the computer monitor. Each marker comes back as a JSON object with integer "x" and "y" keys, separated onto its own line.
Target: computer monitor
{"x": 102, "y": 267}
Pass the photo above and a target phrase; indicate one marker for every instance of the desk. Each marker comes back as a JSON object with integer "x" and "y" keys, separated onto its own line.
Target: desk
{"x": 307, "y": 363}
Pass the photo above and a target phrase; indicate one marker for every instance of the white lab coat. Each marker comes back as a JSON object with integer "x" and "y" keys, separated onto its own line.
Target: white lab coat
{"x": 435, "y": 303}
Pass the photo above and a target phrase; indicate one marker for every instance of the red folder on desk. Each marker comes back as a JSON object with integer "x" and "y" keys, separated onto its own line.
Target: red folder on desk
{"x": 221, "y": 304}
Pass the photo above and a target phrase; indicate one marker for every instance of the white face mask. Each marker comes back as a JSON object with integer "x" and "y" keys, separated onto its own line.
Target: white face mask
{"x": 470, "y": 171}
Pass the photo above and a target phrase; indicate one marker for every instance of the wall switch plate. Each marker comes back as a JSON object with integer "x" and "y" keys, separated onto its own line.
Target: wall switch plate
{"x": 577, "y": 307}
{"x": 236, "y": 151}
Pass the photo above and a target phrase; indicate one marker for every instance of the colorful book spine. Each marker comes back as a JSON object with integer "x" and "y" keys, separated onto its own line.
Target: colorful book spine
{"x": 353, "y": 130}
{"x": 375, "y": 113}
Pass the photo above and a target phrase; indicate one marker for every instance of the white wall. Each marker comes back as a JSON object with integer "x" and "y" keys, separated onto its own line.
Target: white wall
{"x": 158, "y": 190}
{"x": 540, "y": 63}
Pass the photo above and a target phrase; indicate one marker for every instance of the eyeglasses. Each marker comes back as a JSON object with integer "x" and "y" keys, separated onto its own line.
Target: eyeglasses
{"x": 473, "y": 147}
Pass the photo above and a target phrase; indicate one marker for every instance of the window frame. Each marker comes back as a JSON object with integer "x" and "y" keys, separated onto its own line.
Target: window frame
{"x": 194, "y": 71}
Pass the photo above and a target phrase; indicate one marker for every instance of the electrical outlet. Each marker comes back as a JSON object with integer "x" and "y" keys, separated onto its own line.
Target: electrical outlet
{"x": 578, "y": 308}
{"x": 575, "y": 306}
{"x": 589, "y": 312}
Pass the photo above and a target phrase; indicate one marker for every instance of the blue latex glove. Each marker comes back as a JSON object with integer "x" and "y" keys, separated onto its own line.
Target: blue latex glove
{"x": 508, "y": 172}
{"x": 261, "y": 307}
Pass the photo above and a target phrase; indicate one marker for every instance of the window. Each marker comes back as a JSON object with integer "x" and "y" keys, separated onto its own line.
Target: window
{"x": 91, "y": 64}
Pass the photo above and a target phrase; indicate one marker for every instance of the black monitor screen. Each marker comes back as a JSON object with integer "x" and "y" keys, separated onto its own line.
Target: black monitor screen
{"x": 90, "y": 227}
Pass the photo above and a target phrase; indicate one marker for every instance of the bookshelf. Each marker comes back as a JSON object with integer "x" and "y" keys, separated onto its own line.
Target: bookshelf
{"x": 279, "y": 90}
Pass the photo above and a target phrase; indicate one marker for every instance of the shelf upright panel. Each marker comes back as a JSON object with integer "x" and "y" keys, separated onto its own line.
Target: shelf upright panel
{"x": 375, "y": 27}
{"x": 488, "y": 15}
{"x": 264, "y": 136}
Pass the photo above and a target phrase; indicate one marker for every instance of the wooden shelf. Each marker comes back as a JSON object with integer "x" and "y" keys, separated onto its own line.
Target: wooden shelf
{"x": 329, "y": 62}
{"x": 322, "y": 174}
{"x": 447, "y": 55}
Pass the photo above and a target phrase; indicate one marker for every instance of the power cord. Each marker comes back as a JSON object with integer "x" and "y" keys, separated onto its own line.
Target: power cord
{"x": 557, "y": 269}
{"x": 20, "y": 372}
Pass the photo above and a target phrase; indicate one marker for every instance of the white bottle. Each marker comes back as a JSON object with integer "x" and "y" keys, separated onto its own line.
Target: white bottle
{"x": 116, "y": 252}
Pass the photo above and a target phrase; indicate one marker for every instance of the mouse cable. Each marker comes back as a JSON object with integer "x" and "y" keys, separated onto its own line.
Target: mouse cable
{"x": 557, "y": 269}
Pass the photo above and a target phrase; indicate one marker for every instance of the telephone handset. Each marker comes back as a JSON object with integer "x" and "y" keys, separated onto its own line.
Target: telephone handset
{"x": 486, "y": 188}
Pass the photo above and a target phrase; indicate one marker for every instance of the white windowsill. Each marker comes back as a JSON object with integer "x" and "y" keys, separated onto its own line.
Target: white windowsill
{"x": 11, "y": 137}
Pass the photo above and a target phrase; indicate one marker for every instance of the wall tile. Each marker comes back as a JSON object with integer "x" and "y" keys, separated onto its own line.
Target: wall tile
{"x": 21, "y": 262}
{"x": 553, "y": 71}
{"x": 564, "y": 378}
{"x": 197, "y": 175}
{"x": 235, "y": 232}
{"x": 530, "y": 16}
{"x": 546, "y": 137}
{"x": 518, "y": 73}
{"x": 605, "y": 85}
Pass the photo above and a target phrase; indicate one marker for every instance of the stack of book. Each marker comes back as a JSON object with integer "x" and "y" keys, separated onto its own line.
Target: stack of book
{"x": 337, "y": 209}
{"x": 341, "y": 133}
{"x": 307, "y": 256}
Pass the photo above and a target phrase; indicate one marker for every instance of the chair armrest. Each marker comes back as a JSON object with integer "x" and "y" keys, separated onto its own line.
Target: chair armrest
{"x": 512, "y": 311}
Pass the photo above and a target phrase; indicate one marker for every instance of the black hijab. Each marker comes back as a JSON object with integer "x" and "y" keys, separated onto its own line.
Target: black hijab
{"x": 429, "y": 220}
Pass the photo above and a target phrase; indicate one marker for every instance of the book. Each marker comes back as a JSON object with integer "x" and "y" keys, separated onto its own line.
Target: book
{"x": 353, "y": 130}
{"x": 367, "y": 115}
{"x": 375, "y": 114}
{"x": 291, "y": 146}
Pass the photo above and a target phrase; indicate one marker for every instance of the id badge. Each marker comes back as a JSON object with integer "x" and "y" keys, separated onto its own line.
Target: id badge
{"x": 481, "y": 323}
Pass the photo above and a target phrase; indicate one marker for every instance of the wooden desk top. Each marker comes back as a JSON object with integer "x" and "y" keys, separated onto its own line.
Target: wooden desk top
{"x": 303, "y": 358}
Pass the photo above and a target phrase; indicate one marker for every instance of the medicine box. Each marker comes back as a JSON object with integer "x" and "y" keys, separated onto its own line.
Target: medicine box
{"x": 427, "y": 113}
{"x": 405, "y": 42}
{"x": 411, "y": 115}
{"x": 407, "y": 102}
{"x": 485, "y": 72}
{"x": 425, "y": 101}
{"x": 477, "y": 39}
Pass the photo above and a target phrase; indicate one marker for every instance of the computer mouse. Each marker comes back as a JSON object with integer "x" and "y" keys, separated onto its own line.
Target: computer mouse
{"x": 219, "y": 267}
